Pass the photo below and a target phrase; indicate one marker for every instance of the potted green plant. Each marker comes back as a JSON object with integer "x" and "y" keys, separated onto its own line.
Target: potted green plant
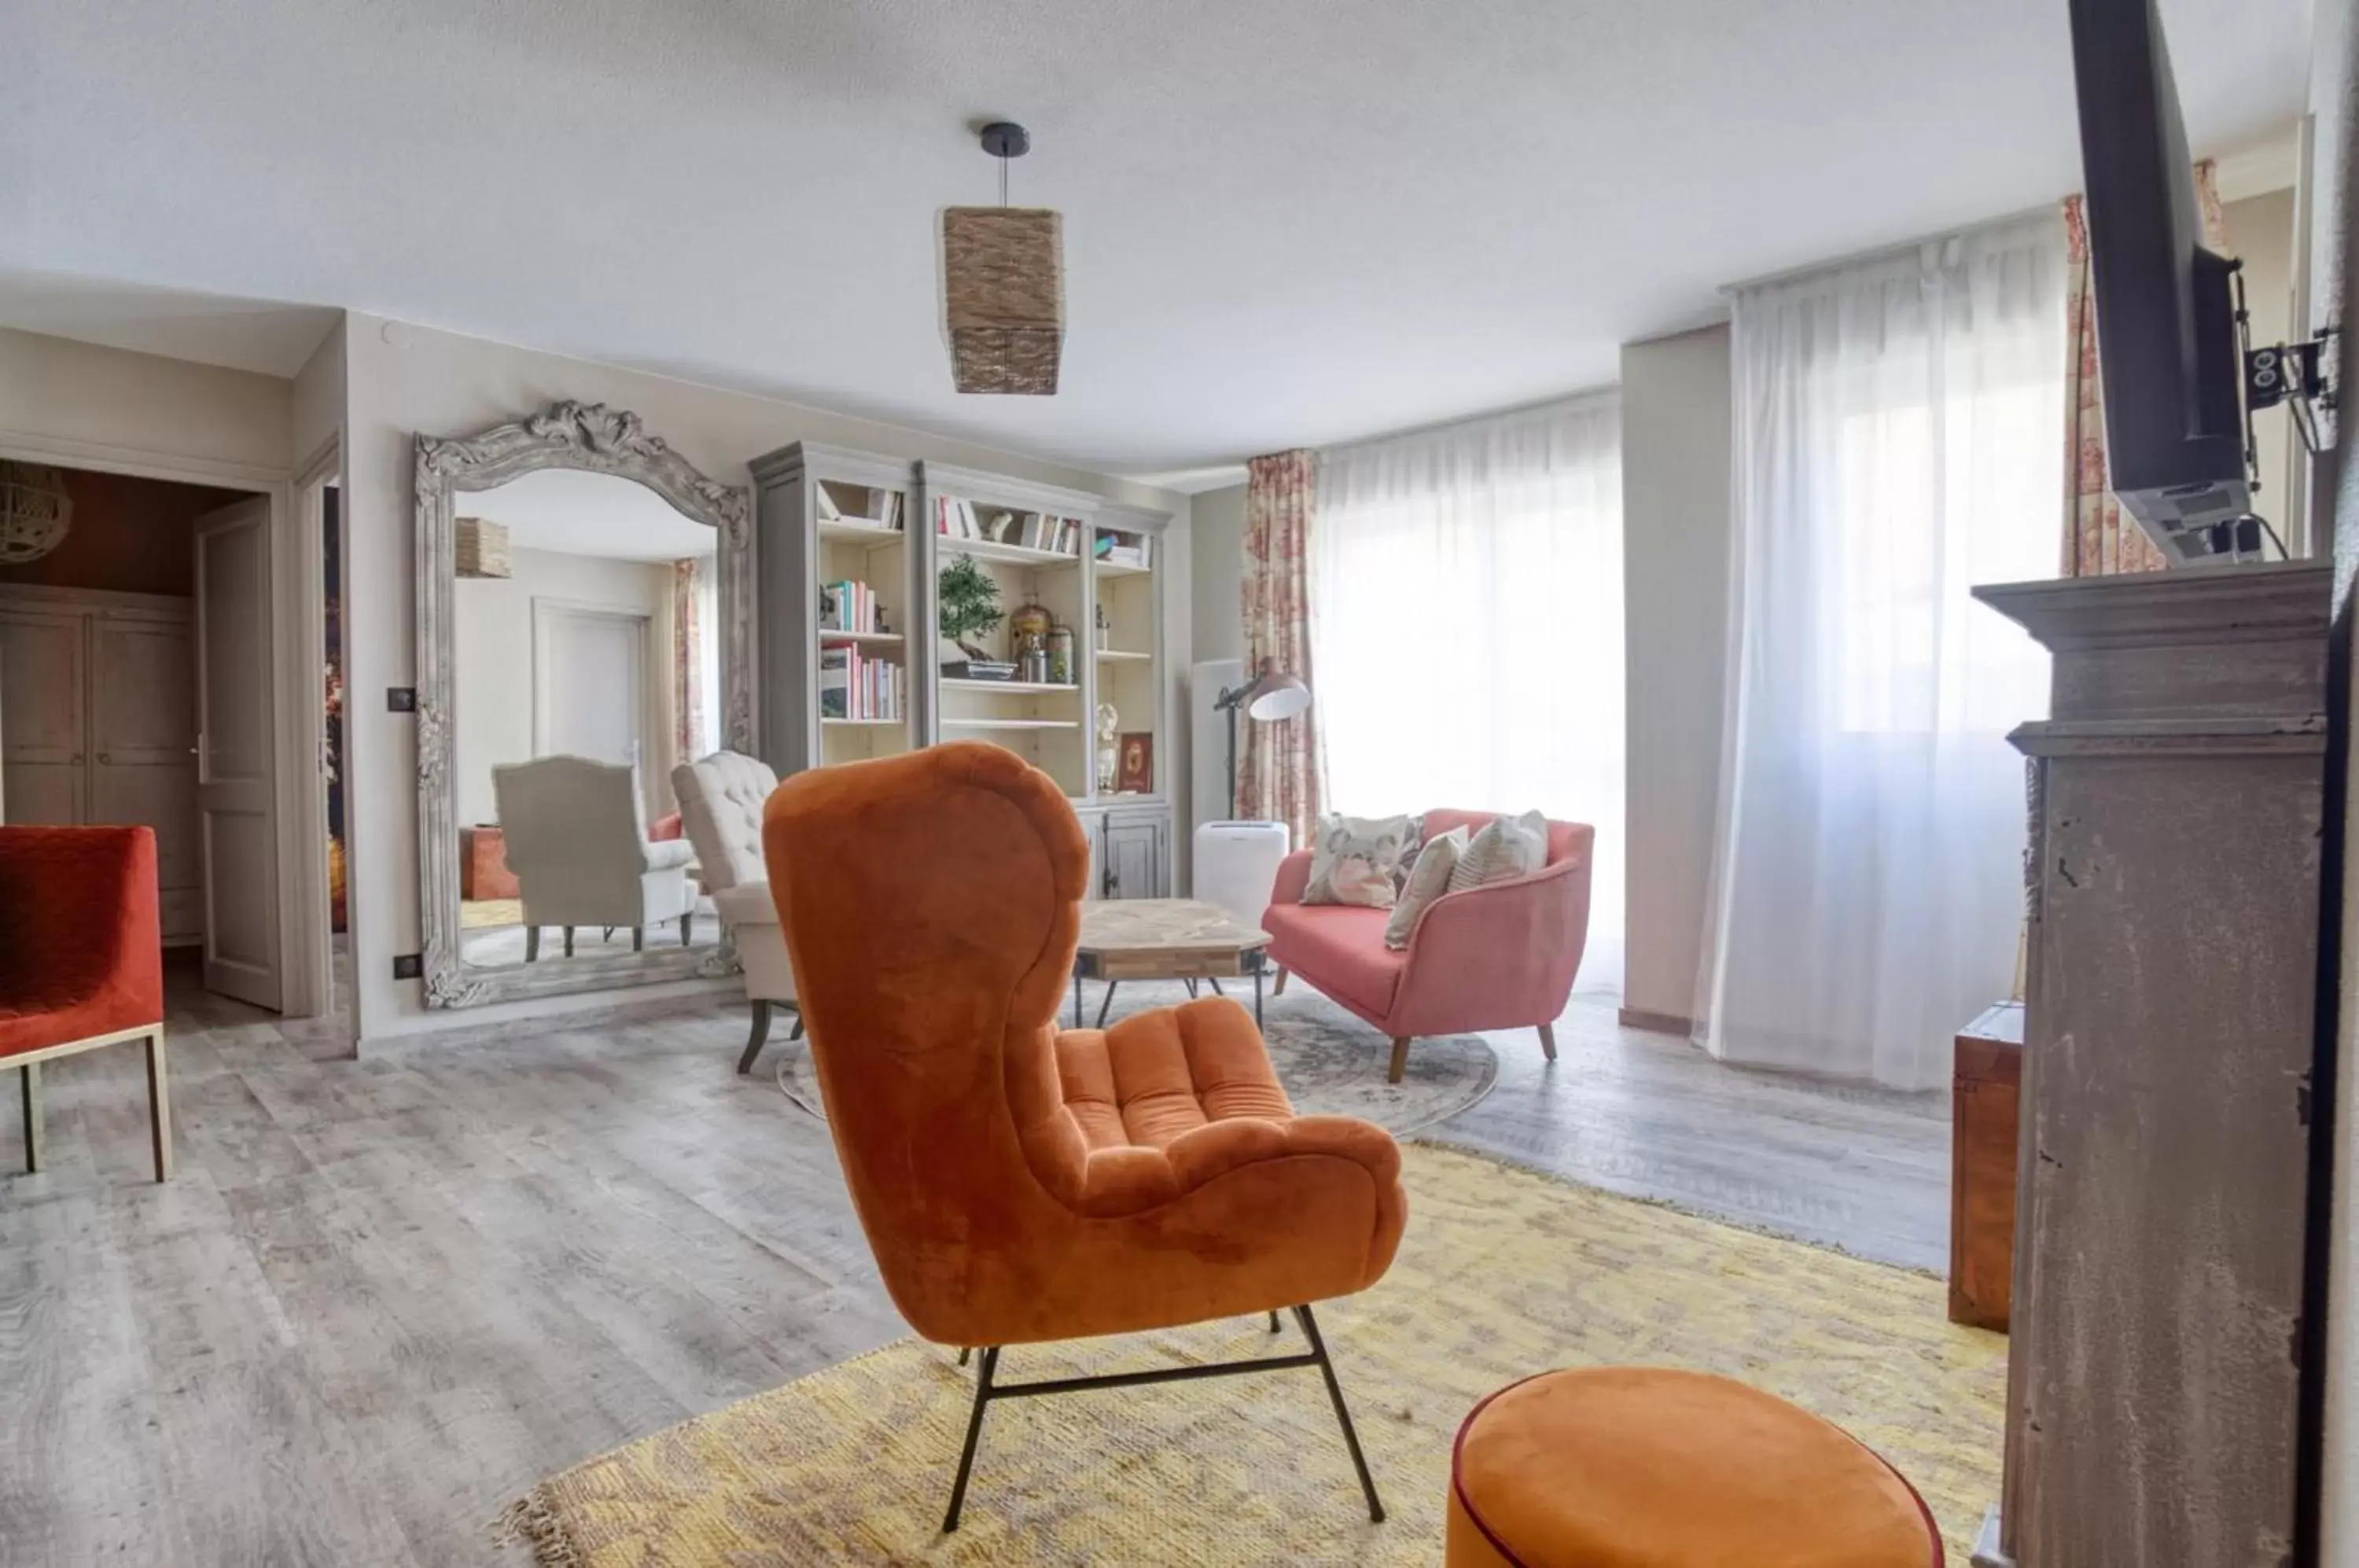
{"x": 968, "y": 607}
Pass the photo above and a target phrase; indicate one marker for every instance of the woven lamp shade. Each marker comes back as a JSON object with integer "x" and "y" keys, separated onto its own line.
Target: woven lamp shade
{"x": 1004, "y": 282}
{"x": 482, "y": 549}
{"x": 36, "y": 513}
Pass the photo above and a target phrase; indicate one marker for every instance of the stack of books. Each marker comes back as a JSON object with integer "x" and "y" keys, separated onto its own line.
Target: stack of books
{"x": 1125, "y": 549}
{"x": 851, "y": 685}
{"x": 849, "y": 606}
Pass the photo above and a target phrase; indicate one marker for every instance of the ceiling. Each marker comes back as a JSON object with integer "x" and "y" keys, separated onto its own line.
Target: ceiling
{"x": 575, "y": 513}
{"x": 1285, "y": 223}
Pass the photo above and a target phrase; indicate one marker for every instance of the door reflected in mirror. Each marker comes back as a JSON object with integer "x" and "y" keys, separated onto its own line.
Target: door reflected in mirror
{"x": 586, "y": 666}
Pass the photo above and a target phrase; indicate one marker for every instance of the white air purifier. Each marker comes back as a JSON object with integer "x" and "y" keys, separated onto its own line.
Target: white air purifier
{"x": 1236, "y": 866}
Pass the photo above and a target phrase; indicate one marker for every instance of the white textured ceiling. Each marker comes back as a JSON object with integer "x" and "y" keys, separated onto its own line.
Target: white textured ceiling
{"x": 1284, "y": 223}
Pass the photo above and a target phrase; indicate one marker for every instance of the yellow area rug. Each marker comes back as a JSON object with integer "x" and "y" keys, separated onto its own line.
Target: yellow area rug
{"x": 1502, "y": 1273}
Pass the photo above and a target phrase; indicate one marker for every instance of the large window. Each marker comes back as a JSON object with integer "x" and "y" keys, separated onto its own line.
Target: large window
{"x": 1466, "y": 624}
{"x": 1898, "y": 440}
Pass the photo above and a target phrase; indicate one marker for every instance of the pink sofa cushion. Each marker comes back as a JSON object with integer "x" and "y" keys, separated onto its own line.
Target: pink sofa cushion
{"x": 1341, "y": 947}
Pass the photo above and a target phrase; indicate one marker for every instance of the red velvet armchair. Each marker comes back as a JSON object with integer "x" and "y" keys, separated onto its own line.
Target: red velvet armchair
{"x": 84, "y": 960}
{"x": 1496, "y": 957}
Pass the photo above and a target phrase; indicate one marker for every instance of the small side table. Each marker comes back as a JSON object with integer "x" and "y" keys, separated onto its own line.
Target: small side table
{"x": 1985, "y": 1098}
{"x": 1163, "y": 939}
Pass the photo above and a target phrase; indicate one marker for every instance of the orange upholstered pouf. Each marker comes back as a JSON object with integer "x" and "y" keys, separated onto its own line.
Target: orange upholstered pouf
{"x": 1647, "y": 1467}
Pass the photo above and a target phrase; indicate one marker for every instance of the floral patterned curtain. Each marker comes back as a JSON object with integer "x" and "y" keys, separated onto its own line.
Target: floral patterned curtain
{"x": 687, "y": 661}
{"x": 1279, "y": 777}
{"x": 2095, "y": 542}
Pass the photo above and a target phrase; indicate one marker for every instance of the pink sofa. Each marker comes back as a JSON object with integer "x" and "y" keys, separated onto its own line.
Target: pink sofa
{"x": 1495, "y": 957}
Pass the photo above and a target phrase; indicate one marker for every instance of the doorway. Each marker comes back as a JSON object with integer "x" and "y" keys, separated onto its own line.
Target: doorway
{"x": 102, "y": 700}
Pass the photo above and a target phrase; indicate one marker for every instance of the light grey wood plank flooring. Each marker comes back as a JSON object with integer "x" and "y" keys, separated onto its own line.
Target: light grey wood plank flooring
{"x": 383, "y": 1297}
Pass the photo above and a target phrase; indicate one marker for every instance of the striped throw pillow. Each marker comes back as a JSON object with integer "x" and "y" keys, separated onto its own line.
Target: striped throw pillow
{"x": 1507, "y": 846}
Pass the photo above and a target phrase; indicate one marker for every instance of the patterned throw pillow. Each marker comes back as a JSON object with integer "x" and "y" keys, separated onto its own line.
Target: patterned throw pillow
{"x": 1354, "y": 861}
{"x": 1507, "y": 846}
{"x": 1412, "y": 845}
{"x": 1428, "y": 879}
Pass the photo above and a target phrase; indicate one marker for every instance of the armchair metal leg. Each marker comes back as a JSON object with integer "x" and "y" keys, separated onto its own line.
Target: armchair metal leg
{"x": 687, "y": 925}
{"x": 29, "y": 1088}
{"x": 638, "y": 939}
{"x": 531, "y": 945}
{"x": 754, "y": 1041}
{"x": 1278, "y": 987}
{"x": 797, "y": 1033}
{"x": 1272, "y": 1320}
{"x": 159, "y": 1107}
{"x": 987, "y": 1388}
{"x": 1548, "y": 1042}
{"x": 973, "y": 1436}
{"x": 568, "y": 941}
{"x": 1342, "y": 1415}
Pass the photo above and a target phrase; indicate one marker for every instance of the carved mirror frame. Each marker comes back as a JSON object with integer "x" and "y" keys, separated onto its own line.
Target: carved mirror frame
{"x": 590, "y": 438}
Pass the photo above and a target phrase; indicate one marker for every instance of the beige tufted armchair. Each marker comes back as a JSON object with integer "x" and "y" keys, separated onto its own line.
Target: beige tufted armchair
{"x": 721, "y": 798}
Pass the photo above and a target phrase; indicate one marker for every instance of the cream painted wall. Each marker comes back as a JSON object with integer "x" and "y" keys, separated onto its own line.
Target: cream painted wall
{"x": 1675, "y": 542}
{"x": 2260, "y": 232}
{"x": 494, "y": 654}
{"x": 87, "y": 402}
{"x": 404, "y": 379}
{"x": 1219, "y": 529}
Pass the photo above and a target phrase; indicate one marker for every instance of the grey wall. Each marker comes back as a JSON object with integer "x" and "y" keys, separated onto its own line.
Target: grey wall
{"x": 1220, "y": 573}
{"x": 1675, "y": 536}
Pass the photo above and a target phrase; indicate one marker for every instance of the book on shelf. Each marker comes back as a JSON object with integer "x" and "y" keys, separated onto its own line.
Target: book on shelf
{"x": 849, "y": 606}
{"x": 877, "y": 509}
{"x": 1125, "y": 549}
{"x": 853, "y": 685}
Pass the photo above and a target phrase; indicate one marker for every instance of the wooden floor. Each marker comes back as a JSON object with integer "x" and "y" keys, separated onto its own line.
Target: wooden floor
{"x": 383, "y": 1297}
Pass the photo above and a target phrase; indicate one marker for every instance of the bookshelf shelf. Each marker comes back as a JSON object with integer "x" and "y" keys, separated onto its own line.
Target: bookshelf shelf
{"x": 1122, "y": 568}
{"x": 1017, "y": 688}
{"x": 1011, "y": 724}
{"x": 1013, "y": 554}
{"x": 1125, "y": 656}
{"x": 832, "y": 531}
{"x": 863, "y": 639}
{"x": 864, "y": 723}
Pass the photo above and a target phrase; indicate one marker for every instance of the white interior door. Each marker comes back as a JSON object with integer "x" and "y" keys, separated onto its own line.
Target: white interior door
{"x": 237, "y": 813}
{"x": 43, "y": 778}
{"x": 590, "y": 694}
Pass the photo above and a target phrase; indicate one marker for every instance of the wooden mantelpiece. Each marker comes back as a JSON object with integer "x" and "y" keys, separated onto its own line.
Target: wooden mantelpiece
{"x": 2176, "y": 809}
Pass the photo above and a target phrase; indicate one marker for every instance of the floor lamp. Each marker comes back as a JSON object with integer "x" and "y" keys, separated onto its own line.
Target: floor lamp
{"x": 1267, "y": 697}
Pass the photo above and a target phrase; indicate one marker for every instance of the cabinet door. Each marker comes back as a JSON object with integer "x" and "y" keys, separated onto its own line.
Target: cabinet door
{"x": 43, "y": 656}
{"x": 144, "y": 740}
{"x": 1132, "y": 856}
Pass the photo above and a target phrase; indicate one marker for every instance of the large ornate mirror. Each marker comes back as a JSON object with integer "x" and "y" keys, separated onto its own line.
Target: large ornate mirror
{"x": 585, "y": 625}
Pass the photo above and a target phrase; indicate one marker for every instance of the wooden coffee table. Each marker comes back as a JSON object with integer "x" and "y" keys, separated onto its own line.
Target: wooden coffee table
{"x": 1163, "y": 939}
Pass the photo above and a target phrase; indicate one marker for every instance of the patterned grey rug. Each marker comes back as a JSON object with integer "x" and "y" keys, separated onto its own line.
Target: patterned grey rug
{"x": 1330, "y": 1061}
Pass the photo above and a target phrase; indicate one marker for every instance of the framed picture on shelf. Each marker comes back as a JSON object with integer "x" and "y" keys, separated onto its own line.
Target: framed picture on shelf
{"x": 1135, "y": 773}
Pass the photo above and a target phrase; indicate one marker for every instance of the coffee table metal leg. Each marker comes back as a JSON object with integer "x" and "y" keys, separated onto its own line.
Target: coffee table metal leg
{"x": 1106, "y": 1003}
{"x": 1077, "y": 999}
{"x": 1215, "y": 985}
{"x": 1256, "y": 995}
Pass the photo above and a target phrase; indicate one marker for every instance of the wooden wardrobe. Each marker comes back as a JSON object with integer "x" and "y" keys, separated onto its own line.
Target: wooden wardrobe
{"x": 98, "y": 724}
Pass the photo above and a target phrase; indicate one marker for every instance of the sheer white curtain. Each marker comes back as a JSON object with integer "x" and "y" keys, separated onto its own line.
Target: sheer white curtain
{"x": 1465, "y": 590}
{"x": 712, "y": 715}
{"x": 1896, "y": 442}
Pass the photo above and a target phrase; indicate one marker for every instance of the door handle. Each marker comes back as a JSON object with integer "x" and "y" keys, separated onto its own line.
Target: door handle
{"x": 104, "y": 758}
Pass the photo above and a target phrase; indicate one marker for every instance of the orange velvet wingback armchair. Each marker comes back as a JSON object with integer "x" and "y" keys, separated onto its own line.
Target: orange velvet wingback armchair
{"x": 82, "y": 961}
{"x": 1019, "y": 1183}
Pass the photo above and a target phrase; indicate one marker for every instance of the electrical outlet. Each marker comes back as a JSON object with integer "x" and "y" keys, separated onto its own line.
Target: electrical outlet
{"x": 401, "y": 699}
{"x": 408, "y": 965}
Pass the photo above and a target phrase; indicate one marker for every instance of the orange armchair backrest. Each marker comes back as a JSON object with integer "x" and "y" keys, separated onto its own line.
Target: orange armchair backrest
{"x": 931, "y": 903}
